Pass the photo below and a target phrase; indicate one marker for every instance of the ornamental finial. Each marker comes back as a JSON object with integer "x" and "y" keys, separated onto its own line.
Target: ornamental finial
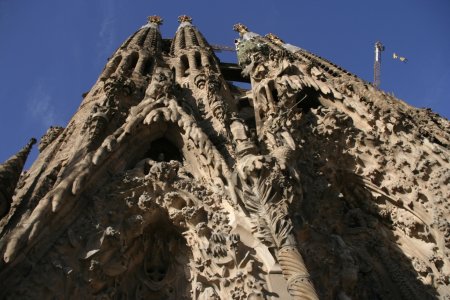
{"x": 184, "y": 18}
{"x": 274, "y": 39}
{"x": 241, "y": 28}
{"x": 155, "y": 20}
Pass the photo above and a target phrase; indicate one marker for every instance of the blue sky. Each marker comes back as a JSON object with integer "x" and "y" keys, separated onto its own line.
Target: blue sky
{"x": 52, "y": 51}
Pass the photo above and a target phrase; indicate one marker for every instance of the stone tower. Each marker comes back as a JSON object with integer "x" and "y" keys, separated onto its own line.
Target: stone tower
{"x": 170, "y": 182}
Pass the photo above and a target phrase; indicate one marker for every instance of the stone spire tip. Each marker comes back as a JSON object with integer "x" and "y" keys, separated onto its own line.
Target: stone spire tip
{"x": 155, "y": 20}
{"x": 184, "y": 18}
{"x": 26, "y": 150}
{"x": 10, "y": 172}
{"x": 241, "y": 28}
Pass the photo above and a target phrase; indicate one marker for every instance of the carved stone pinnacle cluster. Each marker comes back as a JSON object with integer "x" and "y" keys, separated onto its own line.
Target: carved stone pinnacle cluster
{"x": 171, "y": 182}
{"x": 184, "y": 18}
{"x": 156, "y": 20}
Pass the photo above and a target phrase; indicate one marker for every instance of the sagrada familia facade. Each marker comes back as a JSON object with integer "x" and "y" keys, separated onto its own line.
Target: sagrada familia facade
{"x": 171, "y": 182}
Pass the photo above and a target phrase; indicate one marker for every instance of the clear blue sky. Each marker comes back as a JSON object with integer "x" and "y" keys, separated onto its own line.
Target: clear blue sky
{"x": 52, "y": 51}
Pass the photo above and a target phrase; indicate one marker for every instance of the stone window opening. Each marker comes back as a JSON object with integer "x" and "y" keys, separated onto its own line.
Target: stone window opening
{"x": 212, "y": 63}
{"x": 130, "y": 63}
{"x": 247, "y": 112}
{"x": 198, "y": 60}
{"x": 274, "y": 93}
{"x": 184, "y": 65}
{"x": 163, "y": 150}
{"x": 147, "y": 67}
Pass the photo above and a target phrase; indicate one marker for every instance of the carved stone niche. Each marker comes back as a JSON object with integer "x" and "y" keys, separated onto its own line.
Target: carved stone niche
{"x": 97, "y": 123}
{"x": 161, "y": 265}
{"x": 161, "y": 143}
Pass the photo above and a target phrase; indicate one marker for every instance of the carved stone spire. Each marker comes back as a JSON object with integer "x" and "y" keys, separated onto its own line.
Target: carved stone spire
{"x": 244, "y": 32}
{"x": 187, "y": 36}
{"x": 155, "y": 20}
{"x": 10, "y": 172}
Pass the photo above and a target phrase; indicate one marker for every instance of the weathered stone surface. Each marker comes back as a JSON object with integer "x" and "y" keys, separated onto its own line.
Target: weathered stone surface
{"x": 169, "y": 182}
{"x": 52, "y": 133}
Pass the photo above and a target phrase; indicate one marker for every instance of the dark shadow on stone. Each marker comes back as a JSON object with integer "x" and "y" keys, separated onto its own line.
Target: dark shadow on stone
{"x": 307, "y": 99}
{"x": 348, "y": 247}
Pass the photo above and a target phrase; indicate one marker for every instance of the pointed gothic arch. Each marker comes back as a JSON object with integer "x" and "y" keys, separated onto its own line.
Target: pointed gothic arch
{"x": 184, "y": 66}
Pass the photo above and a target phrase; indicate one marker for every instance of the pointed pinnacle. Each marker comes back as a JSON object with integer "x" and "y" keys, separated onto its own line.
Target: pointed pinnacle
{"x": 274, "y": 39}
{"x": 23, "y": 154}
{"x": 184, "y": 18}
{"x": 155, "y": 20}
{"x": 10, "y": 172}
{"x": 241, "y": 28}
{"x": 31, "y": 142}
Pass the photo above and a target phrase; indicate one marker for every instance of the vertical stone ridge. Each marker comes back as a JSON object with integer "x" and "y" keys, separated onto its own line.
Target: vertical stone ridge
{"x": 197, "y": 70}
{"x": 10, "y": 172}
{"x": 277, "y": 141}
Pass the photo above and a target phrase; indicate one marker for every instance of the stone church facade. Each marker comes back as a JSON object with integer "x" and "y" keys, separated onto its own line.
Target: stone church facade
{"x": 171, "y": 182}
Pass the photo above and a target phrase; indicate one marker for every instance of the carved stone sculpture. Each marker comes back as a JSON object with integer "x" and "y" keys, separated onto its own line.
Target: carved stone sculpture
{"x": 170, "y": 182}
